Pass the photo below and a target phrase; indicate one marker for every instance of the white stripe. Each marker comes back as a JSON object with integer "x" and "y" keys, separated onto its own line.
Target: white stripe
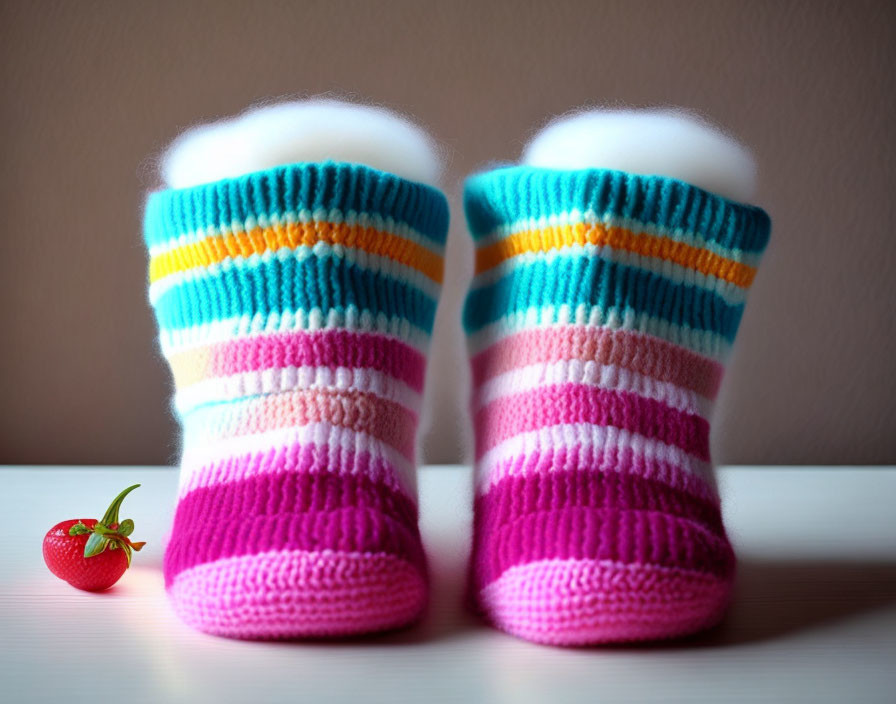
{"x": 363, "y": 260}
{"x": 590, "y": 373}
{"x": 197, "y": 456}
{"x": 497, "y": 463}
{"x": 703, "y": 342}
{"x": 175, "y": 341}
{"x": 590, "y": 217}
{"x": 729, "y": 292}
{"x": 334, "y": 216}
{"x": 278, "y": 379}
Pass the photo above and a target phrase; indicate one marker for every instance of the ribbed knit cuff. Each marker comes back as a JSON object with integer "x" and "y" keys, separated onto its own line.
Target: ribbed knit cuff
{"x": 610, "y": 248}
{"x": 507, "y": 196}
{"x": 331, "y": 191}
{"x": 363, "y": 242}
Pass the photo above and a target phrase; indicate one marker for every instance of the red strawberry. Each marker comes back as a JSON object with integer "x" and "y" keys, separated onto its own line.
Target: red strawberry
{"x": 75, "y": 550}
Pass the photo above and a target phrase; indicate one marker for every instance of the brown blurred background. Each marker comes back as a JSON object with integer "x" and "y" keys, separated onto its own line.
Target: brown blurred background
{"x": 92, "y": 91}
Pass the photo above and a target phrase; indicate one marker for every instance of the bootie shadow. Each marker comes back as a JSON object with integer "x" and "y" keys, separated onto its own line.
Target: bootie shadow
{"x": 775, "y": 598}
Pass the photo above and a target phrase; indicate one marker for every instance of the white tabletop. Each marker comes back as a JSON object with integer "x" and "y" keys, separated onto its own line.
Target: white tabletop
{"x": 814, "y": 617}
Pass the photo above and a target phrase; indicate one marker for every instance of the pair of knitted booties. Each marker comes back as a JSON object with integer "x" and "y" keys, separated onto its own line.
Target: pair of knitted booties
{"x": 296, "y": 259}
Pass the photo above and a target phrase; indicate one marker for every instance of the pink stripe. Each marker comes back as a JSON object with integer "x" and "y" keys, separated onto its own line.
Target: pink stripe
{"x": 576, "y": 403}
{"x": 297, "y": 457}
{"x": 638, "y": 352}
{"x": 323, "y": 348}
{"x": 601, "y": 460}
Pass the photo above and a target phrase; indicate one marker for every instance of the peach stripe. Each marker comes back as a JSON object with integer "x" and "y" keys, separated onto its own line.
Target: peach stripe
{"x": 637, "y": 352}
{"x": 361, "y": 412}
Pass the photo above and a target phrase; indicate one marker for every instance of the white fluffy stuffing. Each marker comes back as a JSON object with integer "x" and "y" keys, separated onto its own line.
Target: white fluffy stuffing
{"x": 660, "y": 142}
{"x": 308, "y": 130}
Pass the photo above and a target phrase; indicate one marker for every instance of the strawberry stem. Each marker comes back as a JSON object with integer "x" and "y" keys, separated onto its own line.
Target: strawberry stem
{"x": 78, "y": 529}
{"x": 109, "y": 532}
{"x": 111, "y": 515}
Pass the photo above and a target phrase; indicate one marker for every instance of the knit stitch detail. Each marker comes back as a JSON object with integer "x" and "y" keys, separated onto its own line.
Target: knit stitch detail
{"x": 602, "y": 310}
{"x": 294, "y": 308}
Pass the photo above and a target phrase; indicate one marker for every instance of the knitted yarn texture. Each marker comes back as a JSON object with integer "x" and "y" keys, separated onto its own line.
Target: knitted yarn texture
{"x": 603, "y": 308}
{"x": 294, "y": 307}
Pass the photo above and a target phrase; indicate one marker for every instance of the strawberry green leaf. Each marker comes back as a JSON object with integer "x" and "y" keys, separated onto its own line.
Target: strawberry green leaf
{"x": 126, "y": 527}
{"x": 96, "y": 543}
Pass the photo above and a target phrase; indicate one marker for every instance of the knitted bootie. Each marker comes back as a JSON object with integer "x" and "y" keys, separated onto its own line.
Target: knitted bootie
{"x": 603, "y": 306}
{"x": 294, "y": 306}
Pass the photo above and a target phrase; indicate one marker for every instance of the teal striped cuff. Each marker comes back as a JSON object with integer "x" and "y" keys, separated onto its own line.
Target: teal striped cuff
{"x": 333, "y": 191}
{"x": 509, "y": 195}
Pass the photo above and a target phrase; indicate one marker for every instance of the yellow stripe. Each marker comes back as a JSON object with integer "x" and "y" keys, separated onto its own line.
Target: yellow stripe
{"x": 560, "y": 236}
{"x": 217, "y": 248}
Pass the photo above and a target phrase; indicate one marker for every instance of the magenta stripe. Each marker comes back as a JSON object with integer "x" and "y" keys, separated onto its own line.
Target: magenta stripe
{"x": 582, "y": 515}
{"x": 517, "y": 496}
{"x": 322, "y": 348}
{"x": 292, "y": 511}
{"x": 579, "y": 403}
{"x": 617, "y": 459}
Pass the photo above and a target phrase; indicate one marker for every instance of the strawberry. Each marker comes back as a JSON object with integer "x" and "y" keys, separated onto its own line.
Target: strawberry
{"x": 75, "y": 550}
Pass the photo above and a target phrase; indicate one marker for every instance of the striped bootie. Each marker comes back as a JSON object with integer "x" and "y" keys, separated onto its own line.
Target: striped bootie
{"x": 603, "y": 306}
{"x": 294, "y": 304}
